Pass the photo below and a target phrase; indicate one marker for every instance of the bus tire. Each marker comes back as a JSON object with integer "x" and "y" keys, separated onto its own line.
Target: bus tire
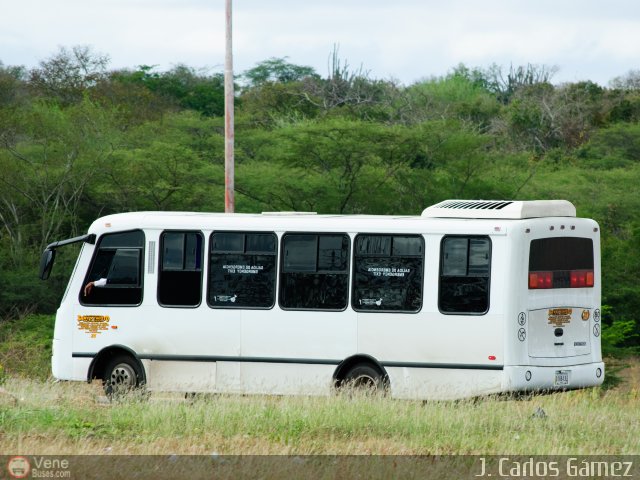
{"x": 122, "y": 375}
{"x": 366, "y": 379}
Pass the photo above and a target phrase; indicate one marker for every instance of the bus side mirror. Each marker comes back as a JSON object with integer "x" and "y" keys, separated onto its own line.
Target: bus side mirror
{"x": 46, "y": 263}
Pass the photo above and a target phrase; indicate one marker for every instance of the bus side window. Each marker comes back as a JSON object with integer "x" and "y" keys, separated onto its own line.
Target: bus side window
{"x": 118, "y": 260}
{"x": 315, "y": 271}
{"x": 180, "y": 272}
{"x": 388, "y": 273}
{"x": 465, "y": 267}
{"x": 242, "y": 270}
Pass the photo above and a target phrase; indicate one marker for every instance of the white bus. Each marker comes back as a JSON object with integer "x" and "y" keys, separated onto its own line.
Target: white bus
{"x": 469, "y": 298}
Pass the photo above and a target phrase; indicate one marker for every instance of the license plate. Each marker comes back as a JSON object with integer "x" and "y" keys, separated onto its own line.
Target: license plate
{"x": 562, "y": 378}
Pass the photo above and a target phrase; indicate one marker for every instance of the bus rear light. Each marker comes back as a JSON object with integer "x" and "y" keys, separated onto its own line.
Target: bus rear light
{"x": 581, "y": 278}
{"x": 561, "y": 279}
{"x": 540, "y": 280}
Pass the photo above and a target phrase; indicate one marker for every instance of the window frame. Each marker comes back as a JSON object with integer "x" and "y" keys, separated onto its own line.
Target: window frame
{"x": 390, "y": 255}
{"x": 161, "y": 265}
{"x": 347, "y": 270}
{"x": 141, "y": 271}
{"x": 275, "y": 267}
{"x": 468, "y": 237}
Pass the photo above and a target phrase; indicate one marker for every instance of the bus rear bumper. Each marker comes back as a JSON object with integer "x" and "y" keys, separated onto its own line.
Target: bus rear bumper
{"x": 565, "y": 377}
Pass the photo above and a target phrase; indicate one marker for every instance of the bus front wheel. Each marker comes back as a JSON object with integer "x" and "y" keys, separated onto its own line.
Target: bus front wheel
{"x": 122, "y": 375}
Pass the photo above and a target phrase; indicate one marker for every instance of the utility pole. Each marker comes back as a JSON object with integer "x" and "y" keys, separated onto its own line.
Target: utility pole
{"x": 229, "y": 164}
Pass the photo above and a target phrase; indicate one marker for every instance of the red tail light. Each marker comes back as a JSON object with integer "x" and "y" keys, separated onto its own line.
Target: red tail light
{"x": 581, "y": 278}
{"x": 564, "y": 279}
{"x": 540, "y": 280}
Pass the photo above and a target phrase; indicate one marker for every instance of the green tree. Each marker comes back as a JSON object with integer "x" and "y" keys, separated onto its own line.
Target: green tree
{"x": 133, "y": 102}
{"x": 67, "y": 75}
{"x": 172, "y": 164}
{"x": 277, "y": 70}
{"x": 12, "y": 85}
{"x": 351, "y": 92}
{"x": 332, "y": 165}
{"x": 182, "y": 85}
{"x": 45, "y": 167}
{"x": 456, "y": 96}
{"x": 47, "y": 160}
{"x": 505, "y": 85}
{"x": 612, "y": 147}
{"x": 271, "y": 103}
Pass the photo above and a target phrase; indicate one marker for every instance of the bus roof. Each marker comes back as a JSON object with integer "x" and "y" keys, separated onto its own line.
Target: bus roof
{"x": 438, "y": 217}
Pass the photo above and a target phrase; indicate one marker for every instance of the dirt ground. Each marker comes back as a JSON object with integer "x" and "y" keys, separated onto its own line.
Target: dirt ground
{"x": 627, "y": 370}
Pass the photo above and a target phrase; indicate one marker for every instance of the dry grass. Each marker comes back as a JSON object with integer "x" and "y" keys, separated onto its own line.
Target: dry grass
{"x": 73, "y": 418}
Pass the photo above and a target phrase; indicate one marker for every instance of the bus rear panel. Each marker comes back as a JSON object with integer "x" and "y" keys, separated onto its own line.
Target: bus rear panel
{"x": 555, "y": 328}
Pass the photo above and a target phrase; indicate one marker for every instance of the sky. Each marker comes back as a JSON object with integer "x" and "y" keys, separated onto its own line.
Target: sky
{"x": 402, "y": 40}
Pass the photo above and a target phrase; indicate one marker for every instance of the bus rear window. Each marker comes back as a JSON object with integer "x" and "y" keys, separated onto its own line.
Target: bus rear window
{"x": 561, "y": 262}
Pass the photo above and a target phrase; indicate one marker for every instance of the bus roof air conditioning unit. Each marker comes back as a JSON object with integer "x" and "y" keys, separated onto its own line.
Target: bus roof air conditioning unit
{"x": 504, "y": 209}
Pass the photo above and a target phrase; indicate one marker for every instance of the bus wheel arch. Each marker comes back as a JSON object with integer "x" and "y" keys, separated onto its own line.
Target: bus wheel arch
{"x": 114, "y": 355}
{"x": 361, "y": 370}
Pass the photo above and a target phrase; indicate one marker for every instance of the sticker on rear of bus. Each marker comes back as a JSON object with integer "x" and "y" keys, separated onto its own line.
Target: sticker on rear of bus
{"x": 562, "y": 378}
{"x": 560, "y": 316}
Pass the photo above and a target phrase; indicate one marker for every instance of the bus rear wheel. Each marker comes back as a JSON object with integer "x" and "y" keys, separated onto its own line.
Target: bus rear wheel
{"x": 365, "y": 379}
{"x": 122, "y": 376}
